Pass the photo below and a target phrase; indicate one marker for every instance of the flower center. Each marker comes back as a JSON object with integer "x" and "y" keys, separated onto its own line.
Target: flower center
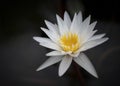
{"x": 70, "y": 42}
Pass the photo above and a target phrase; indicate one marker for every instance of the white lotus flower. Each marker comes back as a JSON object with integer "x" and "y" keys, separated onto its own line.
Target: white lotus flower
{"x": 68, "y": 40}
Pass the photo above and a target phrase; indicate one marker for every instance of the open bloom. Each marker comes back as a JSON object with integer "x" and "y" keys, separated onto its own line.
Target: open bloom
{"x": 68, "y": 39}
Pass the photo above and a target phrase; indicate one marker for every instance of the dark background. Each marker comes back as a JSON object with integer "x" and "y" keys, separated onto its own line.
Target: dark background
{"x": 20, "y": 55}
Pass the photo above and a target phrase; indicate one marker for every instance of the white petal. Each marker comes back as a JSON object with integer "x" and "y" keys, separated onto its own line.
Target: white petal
{"x": 51, "y": 35}
{"x": 47, "y": 43}
{"x": 75, "y": 27}
{"x": 96, "y": 37}
{"x": 85, "y": 26}
{"x": 79, "y": 17}
{"x": 93, "y": 43}
{"x": 64, "y": 65}
{"x": 55, "y": 53}
{"x": 85, "y": 39}
{"x": 85, "y": 63}
{"x": 42, "y": 39}
{"x": 87, "y": 21}
{"x": 92, "y": 26}
{"x": 92, "y": 33}
{"x": 52, "y": 27}
{"x": 60, "y": 25}
{"x": 49, "y": 62}
{"x": 51, "y": 45}
{"x": 89, "y": 31}
{"x": 67, "y": 19}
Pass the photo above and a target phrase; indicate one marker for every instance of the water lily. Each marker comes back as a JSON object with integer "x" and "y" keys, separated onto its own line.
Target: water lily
{"x": 68, "y": 40}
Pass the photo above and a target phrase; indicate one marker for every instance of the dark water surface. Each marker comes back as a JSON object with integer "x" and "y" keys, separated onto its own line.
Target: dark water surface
{"x": 20, "y": 55}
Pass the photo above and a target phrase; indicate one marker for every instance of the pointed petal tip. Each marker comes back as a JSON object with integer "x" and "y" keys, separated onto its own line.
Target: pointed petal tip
{"x": 89, "y": 16}
{"x": 66, "y": 15}
{"x": 95, "y": 75}
{"x": 57, "y": 16}
{"x": 35, "y": 38}
{"x": 95, "y": 22}
{"x": 104, "y": 34}
{"x": 65, "y": 12}
{"x": 64, "y": 65}
{"x": 86, "y": 64}
{"x": 42, "y": 28}
{"x": 74, "y": 17}
{"x": 79, "y": 12}
{"x": 60, "y": 74}
{"x": 75, "y": 14}
{"x": 106, "y": 38}
{"x": 38, "y": 69}
{"x": 45, "y": 21}
{"x": 47, "y": 54}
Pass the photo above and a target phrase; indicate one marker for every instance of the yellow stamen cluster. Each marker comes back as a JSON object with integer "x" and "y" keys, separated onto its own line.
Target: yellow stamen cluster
{"x": 70, "y": 42}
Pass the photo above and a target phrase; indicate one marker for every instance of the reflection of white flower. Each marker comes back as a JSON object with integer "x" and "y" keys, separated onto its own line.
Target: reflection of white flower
{"x": 68, "y": 40}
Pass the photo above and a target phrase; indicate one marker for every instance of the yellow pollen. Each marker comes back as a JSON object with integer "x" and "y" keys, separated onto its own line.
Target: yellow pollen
{"x": 70, "y": 42}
